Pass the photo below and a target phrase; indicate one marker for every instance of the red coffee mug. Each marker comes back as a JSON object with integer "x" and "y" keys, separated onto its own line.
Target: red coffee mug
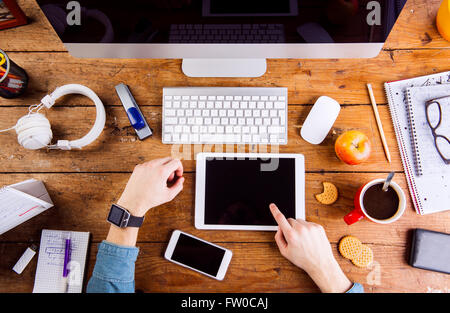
{"x": 359, "y": 212}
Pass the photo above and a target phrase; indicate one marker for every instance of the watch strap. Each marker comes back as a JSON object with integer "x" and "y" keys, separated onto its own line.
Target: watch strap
{"x": 135, "y": 221}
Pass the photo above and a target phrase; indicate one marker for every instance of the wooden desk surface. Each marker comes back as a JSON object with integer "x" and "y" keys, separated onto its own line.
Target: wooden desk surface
{"x": 84, "y": 183}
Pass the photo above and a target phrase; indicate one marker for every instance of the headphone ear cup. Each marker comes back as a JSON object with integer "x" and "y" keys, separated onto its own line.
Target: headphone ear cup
{"x": 34, "y": 131}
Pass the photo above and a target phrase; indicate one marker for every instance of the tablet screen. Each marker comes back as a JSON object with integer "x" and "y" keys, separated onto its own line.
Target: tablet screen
{"x": 239, "y": 191}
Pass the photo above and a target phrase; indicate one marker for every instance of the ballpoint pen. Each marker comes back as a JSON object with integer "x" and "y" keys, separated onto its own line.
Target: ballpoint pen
{"x": 67, "y": 252}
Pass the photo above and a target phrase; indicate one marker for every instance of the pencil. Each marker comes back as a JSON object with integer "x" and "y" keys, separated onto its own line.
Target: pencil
{"x": 380, "y": 127}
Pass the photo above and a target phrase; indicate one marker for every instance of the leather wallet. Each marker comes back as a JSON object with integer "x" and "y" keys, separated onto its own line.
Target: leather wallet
{"x": 430, "y": 250}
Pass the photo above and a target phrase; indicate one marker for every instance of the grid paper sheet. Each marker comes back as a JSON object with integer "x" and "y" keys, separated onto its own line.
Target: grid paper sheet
{"x": 49, "y": 272}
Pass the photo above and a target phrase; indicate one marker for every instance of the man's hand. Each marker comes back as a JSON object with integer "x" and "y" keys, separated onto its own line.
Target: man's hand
{"x": 152, "y": 184}
{"x": 306, "y": 246}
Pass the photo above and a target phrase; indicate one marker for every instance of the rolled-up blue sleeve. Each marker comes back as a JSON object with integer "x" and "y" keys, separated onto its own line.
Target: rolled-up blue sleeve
{"x": 356, "y": 288}
{"x": 114, "y": 269}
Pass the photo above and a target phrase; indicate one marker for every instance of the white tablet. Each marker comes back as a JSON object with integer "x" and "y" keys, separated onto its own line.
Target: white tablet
{"x": 233, "y": 190}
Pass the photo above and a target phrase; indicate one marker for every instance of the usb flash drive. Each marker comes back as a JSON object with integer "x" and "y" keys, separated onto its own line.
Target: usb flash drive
{"x": 25, "y": 259}
{"x": 134, "y": 114}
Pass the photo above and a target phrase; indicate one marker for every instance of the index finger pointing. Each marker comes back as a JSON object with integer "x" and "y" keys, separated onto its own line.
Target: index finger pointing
{"x": 280, "y": 218}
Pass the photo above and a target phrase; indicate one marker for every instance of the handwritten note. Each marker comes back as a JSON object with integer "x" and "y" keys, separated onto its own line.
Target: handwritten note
{"x": 49, "y": 272}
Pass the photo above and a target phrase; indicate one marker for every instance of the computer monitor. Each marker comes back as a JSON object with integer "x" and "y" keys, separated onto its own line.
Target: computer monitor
{"x": 223, "y": 38}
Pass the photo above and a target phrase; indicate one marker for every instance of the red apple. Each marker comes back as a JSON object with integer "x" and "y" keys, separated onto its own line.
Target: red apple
{"x": 352, "y": 147}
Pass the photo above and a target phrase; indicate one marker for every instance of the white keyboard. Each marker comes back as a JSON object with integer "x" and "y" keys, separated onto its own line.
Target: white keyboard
{"x": 217, "y": 115}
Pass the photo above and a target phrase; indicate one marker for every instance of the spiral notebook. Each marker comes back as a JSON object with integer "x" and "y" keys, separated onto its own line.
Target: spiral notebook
{"x": 22, "y": 201}
{"x": 430, "y": 192}
{"x": 427, "y": 159}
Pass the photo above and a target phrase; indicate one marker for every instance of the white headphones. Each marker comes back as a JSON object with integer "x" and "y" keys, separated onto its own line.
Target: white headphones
{"x": 34, "y": 130}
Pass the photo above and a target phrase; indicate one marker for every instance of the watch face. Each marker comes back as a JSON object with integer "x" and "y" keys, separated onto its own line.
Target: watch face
{"x": 116, "y": 215}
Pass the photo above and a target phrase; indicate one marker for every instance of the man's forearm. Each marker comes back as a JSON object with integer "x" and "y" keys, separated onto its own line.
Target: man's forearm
{"x": 123, "y": 236}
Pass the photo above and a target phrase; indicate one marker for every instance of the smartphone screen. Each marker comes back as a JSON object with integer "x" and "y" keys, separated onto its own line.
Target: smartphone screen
{"x": 198, "y": 254}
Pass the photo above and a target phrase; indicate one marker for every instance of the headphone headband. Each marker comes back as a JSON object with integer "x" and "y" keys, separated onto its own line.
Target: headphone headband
{"x": 49, "y": 100}
{"x": 34, "y": 130}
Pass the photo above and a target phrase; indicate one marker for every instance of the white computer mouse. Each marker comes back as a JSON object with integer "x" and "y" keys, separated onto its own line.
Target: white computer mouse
{"x": 320, "y": 120}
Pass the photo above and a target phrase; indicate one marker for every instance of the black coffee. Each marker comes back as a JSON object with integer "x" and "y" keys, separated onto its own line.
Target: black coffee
{"x": 380, "y": 204}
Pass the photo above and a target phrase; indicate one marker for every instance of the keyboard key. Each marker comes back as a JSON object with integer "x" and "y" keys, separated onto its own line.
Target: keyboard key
{"x": 170, "y": 120}
{"x": 170, "y": 112}
{"x": 279, "y": 105}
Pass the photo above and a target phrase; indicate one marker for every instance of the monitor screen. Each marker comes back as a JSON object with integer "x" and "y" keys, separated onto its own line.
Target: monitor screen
{"x": 222, "y": 21}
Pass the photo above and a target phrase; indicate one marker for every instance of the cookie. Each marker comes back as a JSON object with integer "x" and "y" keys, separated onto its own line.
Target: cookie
{"x": 365, "y": 258}
{"x": 329, "y": 194}
{"x": 350, "y": 247}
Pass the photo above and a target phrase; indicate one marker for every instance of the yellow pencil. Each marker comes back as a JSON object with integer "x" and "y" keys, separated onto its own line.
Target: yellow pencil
{"x": 380, "y": 127}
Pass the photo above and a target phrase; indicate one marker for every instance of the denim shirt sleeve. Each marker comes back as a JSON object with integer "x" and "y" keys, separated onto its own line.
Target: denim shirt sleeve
{"x": 114, "y": 269}
{"x": 356, "y": 288}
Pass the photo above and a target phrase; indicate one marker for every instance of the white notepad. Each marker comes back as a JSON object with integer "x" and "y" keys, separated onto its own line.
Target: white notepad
{"x": 22, "y": 201}
{"x": 49, "y": 272}
{"x": 427, "y": 197}
{"x": 427, "y": 158}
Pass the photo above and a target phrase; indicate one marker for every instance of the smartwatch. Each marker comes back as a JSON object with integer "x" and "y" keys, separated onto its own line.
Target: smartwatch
{"x": 120, "y": 217}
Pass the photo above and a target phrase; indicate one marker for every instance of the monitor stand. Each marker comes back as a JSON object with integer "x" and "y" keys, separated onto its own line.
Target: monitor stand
{"x": 224, "y": 67}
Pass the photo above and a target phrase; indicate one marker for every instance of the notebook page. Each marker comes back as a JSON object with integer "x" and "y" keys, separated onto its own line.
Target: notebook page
{"x": 436, "y": 174}
{"x": 17, "y": 207}
{"x": 396, "y": 95}
{"x": 49, "y": 272}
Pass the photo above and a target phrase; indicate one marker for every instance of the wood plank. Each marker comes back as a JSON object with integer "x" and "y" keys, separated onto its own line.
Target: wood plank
{"x": 38, "y": 35}
{"x": 415, "y": 29}
{"x": 82, "y": 202}
{"x": 256, "y": 267}
{"x": 306, "y": 80}
{"x": 118, "y": 148}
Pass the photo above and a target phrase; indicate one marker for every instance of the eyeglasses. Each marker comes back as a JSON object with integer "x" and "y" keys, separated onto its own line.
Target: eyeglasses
{"x": 433, "y": 109}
